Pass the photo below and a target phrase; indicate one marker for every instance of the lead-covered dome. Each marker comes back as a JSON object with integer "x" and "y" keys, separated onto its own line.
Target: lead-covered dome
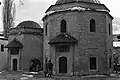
{"x": 67, "y": 1}
{"x": 28, "y": 24}
{"x": 27, "y": 27}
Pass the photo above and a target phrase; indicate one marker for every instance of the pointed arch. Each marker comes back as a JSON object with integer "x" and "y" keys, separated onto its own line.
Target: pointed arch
{"x": 63, "y": 26}
{"x": 92, "y": 25}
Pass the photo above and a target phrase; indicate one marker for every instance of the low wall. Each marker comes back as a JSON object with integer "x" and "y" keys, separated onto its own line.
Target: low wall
{"x": 78, "y": 78}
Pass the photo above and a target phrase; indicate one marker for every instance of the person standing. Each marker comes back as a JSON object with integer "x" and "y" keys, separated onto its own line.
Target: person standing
{"x": 50, "y": 68}
{"x": 46, "y": 68}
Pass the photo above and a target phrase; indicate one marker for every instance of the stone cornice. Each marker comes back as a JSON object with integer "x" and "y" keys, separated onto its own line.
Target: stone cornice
{"x": 27, "y": 32}
{"x": 74, "y": 11}
{"x": 27, "y": 28}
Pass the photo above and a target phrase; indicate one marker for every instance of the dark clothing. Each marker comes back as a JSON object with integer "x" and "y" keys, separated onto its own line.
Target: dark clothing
{"x": 116, "y": 69}
{"x": 46, "y": 69}
{"x": 50, "y": 67}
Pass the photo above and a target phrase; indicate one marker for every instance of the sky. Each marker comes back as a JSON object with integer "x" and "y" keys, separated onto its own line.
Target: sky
{"x": 35, "y": 9}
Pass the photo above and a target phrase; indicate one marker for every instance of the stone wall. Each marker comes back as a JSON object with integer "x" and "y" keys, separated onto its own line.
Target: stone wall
{"x": 90, "y": 44}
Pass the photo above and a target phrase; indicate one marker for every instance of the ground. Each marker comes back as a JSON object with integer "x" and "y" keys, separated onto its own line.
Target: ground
{"x": 11, "y": 75}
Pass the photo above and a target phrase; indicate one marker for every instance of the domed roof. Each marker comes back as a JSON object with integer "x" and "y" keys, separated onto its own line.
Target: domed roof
{"x": 67, "y": 1}
{"x": 28, "y": 24}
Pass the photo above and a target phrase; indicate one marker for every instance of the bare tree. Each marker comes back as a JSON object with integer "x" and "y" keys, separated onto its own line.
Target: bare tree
{"x": 9, "y": 11}
{"x": 8, "y": 16}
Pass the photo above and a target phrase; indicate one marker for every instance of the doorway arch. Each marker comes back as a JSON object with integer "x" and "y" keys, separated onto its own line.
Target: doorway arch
{"x": 15, "y": 64}
{"x": 62, "y": 65}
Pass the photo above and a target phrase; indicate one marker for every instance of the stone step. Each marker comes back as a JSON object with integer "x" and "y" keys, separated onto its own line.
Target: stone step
{"x": 43, "y": 79}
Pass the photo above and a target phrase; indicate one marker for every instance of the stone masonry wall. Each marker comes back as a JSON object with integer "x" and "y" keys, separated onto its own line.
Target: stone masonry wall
{"x": 89, "y": 43}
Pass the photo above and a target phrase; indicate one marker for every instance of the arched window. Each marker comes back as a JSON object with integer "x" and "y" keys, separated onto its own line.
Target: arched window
{"x": 92, "y": 25}
{"x": 63, "y": 26}
{"x": 46, "y": 30}
{"x": 109, "y": 30}
{"x": 110, "y": 62}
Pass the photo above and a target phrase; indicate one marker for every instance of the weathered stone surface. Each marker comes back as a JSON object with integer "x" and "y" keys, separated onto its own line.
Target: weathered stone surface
{"x": 98, "y": 43}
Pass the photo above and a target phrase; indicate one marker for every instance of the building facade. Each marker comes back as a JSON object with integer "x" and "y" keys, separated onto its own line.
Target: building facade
{"x": 78, "y": 37}
{"x": 25, "y": 47}
{"x": 3, "y": 53}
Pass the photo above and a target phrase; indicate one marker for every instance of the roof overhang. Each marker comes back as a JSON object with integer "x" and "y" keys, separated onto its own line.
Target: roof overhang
{"x": 14, "y": 44}
{"x": 63, "y": 38}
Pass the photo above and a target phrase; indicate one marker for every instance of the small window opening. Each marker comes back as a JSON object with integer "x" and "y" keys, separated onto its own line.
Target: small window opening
{"x": 92, "y": 25}
{"x": 63, "y": 26}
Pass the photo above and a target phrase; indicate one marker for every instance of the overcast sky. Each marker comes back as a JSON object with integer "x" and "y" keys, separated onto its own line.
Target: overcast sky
{"x": 34, "y": 9}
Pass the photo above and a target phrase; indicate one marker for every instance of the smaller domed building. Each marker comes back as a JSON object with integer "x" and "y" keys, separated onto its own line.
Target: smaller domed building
{"x": 25, "y": 47}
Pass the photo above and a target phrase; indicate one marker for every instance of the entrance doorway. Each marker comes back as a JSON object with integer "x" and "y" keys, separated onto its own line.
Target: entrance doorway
{"x": 14, "y": 64}
{"x": 62, "y": 65}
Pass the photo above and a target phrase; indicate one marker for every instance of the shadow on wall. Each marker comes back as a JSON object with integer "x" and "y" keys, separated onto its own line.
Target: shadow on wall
{"x": 3, "y": 61}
